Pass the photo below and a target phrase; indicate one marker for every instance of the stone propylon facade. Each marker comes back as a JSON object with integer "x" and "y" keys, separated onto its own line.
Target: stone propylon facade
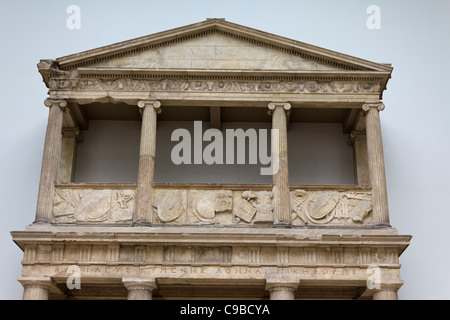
{"x": 149, "y": 240}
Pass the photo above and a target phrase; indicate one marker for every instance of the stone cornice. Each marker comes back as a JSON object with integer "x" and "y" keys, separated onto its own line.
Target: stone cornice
{"x": 224, "y": 27}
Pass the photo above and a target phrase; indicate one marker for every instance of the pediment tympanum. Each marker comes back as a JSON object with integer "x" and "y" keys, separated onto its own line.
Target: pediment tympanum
{"x": 216, "y": 51}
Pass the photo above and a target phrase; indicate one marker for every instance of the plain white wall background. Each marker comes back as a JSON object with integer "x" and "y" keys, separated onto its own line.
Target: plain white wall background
{"x": 414, "y": 37}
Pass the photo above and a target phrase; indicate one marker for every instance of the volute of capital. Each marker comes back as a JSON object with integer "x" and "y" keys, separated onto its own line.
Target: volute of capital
{"x": 142, "y": 104}
{"x": 273, "y": 105}
{"x": 379, "y": 106}
{"x": 55, "y": 102}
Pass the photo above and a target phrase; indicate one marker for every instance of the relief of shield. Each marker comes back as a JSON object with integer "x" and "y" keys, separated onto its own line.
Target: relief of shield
{"x": 94, "y": 205}
{"x": 171, "y": 206}
{"x": 322, "y": 205}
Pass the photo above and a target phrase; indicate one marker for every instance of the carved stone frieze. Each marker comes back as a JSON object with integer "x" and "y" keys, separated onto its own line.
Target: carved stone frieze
{"x": 330, "y": 207}
{"x": 216, "y": 85}
{"x": 254, "y": 207}
{"x": 169, "y": 206}
{"x": 92, "y": 205}
{"x": 211, "y": 206}
{"x": 115, "y": 254}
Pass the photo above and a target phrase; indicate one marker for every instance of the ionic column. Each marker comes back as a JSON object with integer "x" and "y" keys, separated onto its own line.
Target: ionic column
{"x": 35, "y": 288}
{"x": 281, "y": 199}
{"x": 281, "y": 289}
{"x": 360, "y": 163}
{"x": 376, "y": 164}
{"x": 139, "y": 289}
{"x": 49, "y": 169}
{"x": 69, "y": 145}
{"x": 144, "y": 193}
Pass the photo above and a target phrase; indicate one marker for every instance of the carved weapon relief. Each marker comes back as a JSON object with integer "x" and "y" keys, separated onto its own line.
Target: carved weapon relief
{"x": 211, "y": 207}
{"x": 93, "y": 205}
{"x": 333, "y": 207}
{"x": 254, "y": 207}
{"x": 222, "y": 207}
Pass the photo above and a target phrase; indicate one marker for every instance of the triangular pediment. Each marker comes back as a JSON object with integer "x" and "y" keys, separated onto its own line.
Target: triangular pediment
{"x": 216, "y": 51}
{"x": 217, "y": 45}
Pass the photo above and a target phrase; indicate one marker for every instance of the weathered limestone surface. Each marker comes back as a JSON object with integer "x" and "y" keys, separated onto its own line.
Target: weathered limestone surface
{"x": 50, "y": 159}
{"x": 376, "y": 163}
{"x": 143, "y": 213}
{"x": 154, "y": 241}
{"x": 281, "y": 172}
{"x": 139, "y": 289}
{"x": 67, "y": 162}
{"x": 215, "y": 51}
{"x": 361, "y": 162}
{"x": 36, "y": 287}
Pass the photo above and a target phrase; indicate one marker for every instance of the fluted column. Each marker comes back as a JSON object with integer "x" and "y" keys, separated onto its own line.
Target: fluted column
{"x": 49, "y": 168}
{"x": 376, "y": 164}
{"x": 69, "y": 145}
{"x": 35, "y": 288}
{"x": 144, "y": 194}
{"x": 139, "y": 289}
{"x": 281, "y": 199}
{"x": 281, "y": 289}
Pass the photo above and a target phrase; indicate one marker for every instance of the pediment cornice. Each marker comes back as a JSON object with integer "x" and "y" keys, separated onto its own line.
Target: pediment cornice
{"x": 226, "y": 28}
{"x": 66, "y": 72}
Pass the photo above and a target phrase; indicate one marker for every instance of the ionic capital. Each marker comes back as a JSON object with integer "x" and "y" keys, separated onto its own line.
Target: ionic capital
{"x": 49, "y": 102}
{"x": 379, "y": 106}
{"x": 139, "y": 284}
{"x": 282, "y": 284}
{"x": 45, "y": 282}
{"x": 72, "y": 133}
{"x": 142, "y": 104}
{"x": 273, "y": 105}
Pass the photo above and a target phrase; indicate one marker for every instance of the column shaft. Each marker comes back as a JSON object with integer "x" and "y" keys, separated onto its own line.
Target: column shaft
{"x": 69, "y": 145}
{"x": 281, "y": 199}
{"x": 139, "y": 294}
{"x": 282, "y": 293}
{"x": 49, "y": 168}
{"x": 144, "y": 194}
{"x": 385, "y": 295}
{"x": 360, "y": 163}
{"x": 376, "y": 164}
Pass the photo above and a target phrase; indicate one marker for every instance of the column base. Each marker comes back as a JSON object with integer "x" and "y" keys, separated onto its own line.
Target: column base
{"x": 381, "y": 225}
{"x": 141, "y": 223}
{"x": 42, "y": 221}
{"x": 281, "y": 225}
